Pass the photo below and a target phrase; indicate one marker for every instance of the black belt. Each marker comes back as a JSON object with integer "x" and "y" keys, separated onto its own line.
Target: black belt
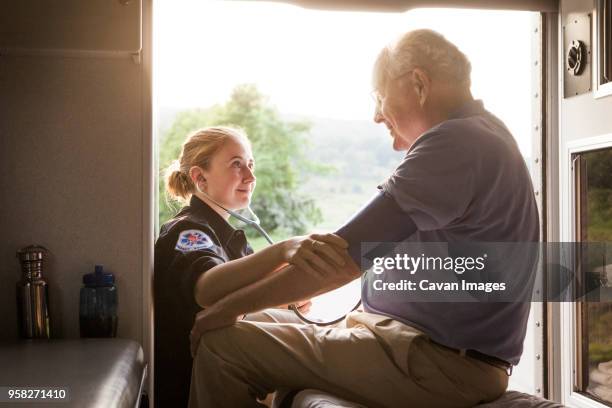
{"x": 494, "y": 361}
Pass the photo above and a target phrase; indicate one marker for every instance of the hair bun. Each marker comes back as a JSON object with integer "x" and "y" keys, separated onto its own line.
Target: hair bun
{"x": 178, "y": 184}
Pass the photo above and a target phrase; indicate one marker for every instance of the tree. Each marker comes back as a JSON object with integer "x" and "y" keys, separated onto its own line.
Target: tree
{"x": 278, "y": 147}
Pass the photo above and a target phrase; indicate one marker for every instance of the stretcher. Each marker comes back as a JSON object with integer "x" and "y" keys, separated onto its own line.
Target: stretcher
{"x": 92, "y": 372}
{"x": 318, "y": 399}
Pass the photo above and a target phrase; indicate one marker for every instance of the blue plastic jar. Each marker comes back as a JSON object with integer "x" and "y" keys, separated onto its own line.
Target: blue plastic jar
{"x": 98, "y": 304}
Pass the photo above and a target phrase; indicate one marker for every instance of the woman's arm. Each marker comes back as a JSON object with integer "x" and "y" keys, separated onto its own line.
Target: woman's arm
{"x": 380, "y": 220}
{"x": 230, "y": 276}
{"x": 315, "y": 254}
{"x": 286, "y": 286}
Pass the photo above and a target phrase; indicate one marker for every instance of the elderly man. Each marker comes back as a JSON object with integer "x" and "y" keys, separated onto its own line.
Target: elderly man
{"x": 462, "y": 179}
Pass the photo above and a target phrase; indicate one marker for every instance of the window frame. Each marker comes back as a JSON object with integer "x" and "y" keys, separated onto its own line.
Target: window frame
{"x": 569, "y": 340}
{"x": 545, "y": 144}
{"x": 601, "y": 89}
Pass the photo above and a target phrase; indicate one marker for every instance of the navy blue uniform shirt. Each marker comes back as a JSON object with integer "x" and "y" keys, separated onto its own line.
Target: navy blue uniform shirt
{"x": 191, "y": 243}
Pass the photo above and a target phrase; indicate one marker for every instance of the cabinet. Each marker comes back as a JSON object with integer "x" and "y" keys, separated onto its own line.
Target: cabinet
{"x": 71, "y": 26}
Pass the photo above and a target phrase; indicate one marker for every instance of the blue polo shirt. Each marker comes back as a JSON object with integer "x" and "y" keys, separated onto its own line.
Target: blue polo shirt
{"x": 463, "y": 180}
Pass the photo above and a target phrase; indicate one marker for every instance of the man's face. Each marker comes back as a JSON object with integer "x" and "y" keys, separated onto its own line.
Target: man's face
{"x": 399, "y": 109}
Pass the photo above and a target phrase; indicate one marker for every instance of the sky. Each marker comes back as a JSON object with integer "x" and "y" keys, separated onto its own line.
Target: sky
{"x": 319, "y": 63}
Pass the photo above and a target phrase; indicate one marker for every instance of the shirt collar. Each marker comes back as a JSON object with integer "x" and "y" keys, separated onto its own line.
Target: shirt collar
{"x": 222, "y": 228}
{"x": 472, "y": 107}
{"x": 467, "y": 109}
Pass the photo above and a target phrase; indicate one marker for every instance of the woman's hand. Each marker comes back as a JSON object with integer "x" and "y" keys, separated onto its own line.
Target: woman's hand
{"x": 208, "y": 319}
{"x": 317, "y": 254}
{"x": 303, "y": 306}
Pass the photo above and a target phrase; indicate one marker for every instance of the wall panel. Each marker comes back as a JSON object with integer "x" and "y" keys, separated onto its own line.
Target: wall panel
{"x": 71, "y": 172}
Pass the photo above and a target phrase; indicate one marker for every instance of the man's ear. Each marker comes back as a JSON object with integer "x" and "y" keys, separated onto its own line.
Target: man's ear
{"x": 422, "y": 85}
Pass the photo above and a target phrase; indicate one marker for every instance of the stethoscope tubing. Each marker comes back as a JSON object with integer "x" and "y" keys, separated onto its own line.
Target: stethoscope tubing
{"x": 295, "y": 310}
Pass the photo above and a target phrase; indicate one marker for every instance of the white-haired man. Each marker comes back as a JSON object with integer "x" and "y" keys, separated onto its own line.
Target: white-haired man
{"x": 462, "y": 179}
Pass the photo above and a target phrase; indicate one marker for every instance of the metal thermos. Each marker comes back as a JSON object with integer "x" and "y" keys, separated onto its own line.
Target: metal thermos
{"x": 32, "y": 294}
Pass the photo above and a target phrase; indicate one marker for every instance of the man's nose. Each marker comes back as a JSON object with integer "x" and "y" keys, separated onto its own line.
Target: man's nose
{"x": 378, "y": 117}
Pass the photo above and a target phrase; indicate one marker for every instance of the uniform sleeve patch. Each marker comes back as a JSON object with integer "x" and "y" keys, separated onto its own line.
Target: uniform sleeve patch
{"x": 193, "y": 240}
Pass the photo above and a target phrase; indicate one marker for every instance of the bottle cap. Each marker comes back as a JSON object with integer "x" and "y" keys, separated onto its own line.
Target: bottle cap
{"x": 99, "y": 277}
{"x": 32, "y": 253}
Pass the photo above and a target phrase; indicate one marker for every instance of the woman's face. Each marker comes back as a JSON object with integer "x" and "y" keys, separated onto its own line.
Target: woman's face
{"x": 230, "y": 178}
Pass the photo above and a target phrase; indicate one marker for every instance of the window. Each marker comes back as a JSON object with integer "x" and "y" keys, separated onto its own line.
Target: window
{"x": 314, "y": 67}
{"x": 593, "y": 374}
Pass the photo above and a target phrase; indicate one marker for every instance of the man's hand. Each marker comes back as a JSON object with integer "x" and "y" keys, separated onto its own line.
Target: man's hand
{"x": 317, "y": 254}
{"x": 208, "y": 319}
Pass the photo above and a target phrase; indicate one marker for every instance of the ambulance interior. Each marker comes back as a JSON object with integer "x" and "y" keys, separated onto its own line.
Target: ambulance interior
{"x": 80, "y": 161}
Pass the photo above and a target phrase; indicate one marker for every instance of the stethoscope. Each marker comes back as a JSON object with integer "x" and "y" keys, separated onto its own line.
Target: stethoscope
{"x": 255, "y": 223}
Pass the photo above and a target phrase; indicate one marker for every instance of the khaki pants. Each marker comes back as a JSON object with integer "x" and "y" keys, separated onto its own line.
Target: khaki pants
{"x": 371, "y": 359}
